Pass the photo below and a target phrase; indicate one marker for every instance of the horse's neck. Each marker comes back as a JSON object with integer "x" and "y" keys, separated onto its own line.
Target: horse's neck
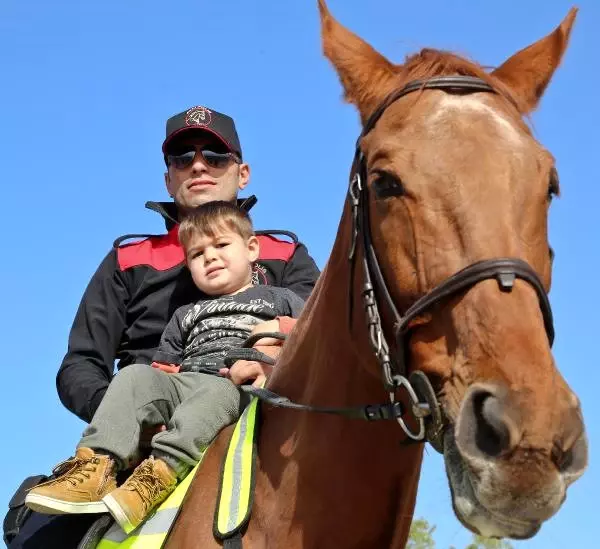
{"x": 339, "y": 463}
{"x": 326, "y": 358}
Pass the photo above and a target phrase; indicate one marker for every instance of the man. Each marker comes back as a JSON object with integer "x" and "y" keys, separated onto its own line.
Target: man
{"x": 138, "y": 286}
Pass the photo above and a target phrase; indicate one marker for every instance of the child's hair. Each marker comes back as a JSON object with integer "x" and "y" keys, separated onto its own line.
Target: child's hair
{"x": 208, "y": 218}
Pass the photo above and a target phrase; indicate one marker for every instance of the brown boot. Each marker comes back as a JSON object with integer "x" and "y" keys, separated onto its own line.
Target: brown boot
{"x": 147, "y": 487}
{"x": 81, "y": 484}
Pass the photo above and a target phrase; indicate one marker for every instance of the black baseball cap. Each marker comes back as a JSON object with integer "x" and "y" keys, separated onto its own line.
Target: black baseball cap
{"x": 206, "y": 120}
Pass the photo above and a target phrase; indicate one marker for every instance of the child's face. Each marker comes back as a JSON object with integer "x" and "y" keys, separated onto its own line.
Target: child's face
{"x": 221, "y": 264}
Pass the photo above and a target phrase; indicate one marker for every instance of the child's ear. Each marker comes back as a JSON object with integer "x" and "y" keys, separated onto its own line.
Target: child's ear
{"x": 253, "y": 248}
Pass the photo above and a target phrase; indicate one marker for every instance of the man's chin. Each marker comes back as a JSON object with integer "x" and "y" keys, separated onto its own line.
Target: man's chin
{"x": 202, "y": 195}
{"x": 196, "y": 200}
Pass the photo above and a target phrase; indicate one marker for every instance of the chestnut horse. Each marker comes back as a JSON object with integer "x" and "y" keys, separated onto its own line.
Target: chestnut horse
{"x": 447, "y": 179}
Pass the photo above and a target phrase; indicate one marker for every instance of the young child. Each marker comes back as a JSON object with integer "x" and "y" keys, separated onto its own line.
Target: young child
{"x": 195, "y": 403}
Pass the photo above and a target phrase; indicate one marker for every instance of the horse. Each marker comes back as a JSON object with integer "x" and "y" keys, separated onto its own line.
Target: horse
{"x": 434, "y": 298}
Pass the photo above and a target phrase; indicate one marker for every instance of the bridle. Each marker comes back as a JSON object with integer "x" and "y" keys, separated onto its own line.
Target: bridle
{"x": 424, "y": 405}
{"x": 375, "y": 290}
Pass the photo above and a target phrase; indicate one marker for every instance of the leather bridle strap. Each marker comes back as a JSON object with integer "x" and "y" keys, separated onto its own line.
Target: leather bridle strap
{"x": 503, "y": 270}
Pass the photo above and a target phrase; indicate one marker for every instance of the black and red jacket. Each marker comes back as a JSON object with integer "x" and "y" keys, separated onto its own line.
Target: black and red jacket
{"x": 134, "y": 293}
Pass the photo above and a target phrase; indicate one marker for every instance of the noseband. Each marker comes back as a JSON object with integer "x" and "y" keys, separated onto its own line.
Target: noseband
{"x": 504, "y": 270}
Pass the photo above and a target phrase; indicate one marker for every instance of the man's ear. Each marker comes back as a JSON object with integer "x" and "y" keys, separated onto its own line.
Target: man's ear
{"x": 253, "y": 248}
{"x": 244, "y": 176}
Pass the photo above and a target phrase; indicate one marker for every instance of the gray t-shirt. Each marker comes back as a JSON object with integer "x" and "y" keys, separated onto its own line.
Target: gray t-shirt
{"x": 199, "y": 335}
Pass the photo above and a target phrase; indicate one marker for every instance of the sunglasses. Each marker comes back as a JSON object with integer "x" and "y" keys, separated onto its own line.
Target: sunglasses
{"x": 185, "y": 158}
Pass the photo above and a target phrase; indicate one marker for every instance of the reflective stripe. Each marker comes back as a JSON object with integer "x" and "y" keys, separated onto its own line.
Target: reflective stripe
{"x": 150, "y": 541}
{"x": 159, "y": 524}
{"x": 237, "y": 473}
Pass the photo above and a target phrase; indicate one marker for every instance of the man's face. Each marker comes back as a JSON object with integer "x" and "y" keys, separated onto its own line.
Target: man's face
{"x": 202, "y": 181}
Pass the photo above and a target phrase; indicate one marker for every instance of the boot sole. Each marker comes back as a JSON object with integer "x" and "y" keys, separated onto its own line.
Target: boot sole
{"x": 113, "y": 507}
{"x": 51, "y": 506}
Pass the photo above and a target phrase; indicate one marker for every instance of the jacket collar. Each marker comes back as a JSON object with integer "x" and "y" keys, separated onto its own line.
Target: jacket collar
{"x": 169, "y": 213}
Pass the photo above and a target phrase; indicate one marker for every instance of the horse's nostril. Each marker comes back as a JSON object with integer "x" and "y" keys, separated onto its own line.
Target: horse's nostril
{"x": 562, "y": 458}
{"x": 572, "y": 462}
{"x": 486, "y": 426}
{"x": 492, "y": 434}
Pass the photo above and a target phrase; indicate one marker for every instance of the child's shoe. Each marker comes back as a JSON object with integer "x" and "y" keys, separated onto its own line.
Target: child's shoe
{"x": 148, "y": 486}
{"x": 82, "y": 481}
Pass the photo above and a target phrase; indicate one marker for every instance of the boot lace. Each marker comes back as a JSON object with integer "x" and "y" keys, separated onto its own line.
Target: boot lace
{"x": 148, "y": 485}
{"x": 76, "y": 470}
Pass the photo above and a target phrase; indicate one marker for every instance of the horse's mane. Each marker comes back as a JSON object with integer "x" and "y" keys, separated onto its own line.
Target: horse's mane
{"x": 429, "y": 63}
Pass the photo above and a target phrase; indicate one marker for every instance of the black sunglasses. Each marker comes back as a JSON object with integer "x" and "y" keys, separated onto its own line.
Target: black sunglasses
{"x": 185, "y": 158}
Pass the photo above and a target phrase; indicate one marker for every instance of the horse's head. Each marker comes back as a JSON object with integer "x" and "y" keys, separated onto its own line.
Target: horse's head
{"x": 455, "y": 177}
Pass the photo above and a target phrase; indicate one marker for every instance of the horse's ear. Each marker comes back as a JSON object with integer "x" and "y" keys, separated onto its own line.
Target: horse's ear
{"x": 366, "y": 75}
{"x": 529, "y": 71}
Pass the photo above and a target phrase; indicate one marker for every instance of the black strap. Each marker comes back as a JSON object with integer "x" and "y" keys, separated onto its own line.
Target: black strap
{"x": 456, "y": 83}
{"x": 240, "y": 353}
{"x": 253, "y": 339}
{"x": 268, "y": 232}
{"x": 234, "y": 542}
{"x": 370, "y": 412}
{"x": 96, "y": 532}
{"x": 504, "y": 270}
{"x": 246, "y": 352}
{"x": 125, "y": 237}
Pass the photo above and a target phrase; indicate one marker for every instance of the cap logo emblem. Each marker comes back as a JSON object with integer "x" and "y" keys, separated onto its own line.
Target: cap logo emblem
{"x": 198, "y": 116}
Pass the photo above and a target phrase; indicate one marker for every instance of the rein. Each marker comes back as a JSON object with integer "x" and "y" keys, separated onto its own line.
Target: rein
{"x": 424, "y": 404}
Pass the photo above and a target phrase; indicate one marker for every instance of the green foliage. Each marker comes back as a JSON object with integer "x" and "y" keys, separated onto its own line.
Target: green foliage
{"x": 421, "y": 537}
{"x": 479, "y": 542}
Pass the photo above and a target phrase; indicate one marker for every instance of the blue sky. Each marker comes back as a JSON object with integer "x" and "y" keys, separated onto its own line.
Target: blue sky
{"x": 86, "y": 88}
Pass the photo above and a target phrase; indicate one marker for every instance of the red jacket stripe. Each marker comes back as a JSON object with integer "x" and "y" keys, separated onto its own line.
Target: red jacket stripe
{"x": 164, "y": 252}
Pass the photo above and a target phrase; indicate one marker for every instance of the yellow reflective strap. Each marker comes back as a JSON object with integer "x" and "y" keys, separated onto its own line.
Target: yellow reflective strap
{"x": 247, "y": 453}
{"x": 227, "y": 482}
{"x": 236, "y": 483}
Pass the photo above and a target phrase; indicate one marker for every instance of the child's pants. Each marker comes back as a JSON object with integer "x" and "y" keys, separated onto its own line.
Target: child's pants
{"x": 193, "y": 406}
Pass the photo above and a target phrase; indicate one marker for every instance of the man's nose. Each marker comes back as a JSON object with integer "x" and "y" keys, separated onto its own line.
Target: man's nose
{"x": 199, "y": 165}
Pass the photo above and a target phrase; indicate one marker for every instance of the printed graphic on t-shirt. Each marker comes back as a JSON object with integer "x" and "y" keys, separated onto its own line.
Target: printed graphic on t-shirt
{"x": 212, "y": 327}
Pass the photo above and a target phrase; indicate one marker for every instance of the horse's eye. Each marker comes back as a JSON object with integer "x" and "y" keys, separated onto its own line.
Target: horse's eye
{"x": 386, "y": 184}
{"x": 553, "y": 186}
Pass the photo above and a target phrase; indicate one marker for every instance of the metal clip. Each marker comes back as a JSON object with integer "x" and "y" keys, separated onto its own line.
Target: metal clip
{"x": 401, "y": 381}
{"x": 354, "y": 193}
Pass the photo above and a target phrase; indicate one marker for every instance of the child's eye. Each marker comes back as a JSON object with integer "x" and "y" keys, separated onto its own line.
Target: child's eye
{"x": 222, "y": 244}
{"x": 197, "y": 253}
